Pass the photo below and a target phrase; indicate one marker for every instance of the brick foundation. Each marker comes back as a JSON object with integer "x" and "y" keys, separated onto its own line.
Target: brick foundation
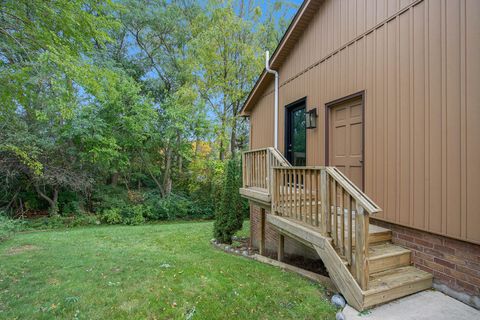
{"x": 292, "y": 247}
{"x": 454, "y": 264}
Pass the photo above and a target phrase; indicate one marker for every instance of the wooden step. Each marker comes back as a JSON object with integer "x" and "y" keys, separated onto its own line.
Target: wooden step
{"x": 376, "y": 235}
{"x": 387, "y": 256}
{"x": 395, "y": 283}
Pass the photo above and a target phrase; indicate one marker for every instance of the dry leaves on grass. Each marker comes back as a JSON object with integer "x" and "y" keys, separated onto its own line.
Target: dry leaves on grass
{"x": 17, "y": 250}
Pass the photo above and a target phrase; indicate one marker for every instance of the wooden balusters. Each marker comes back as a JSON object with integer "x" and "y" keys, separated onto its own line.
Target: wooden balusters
{"x": 325, "y": 200}
{"x": 349, "y": 228}
{"x": 361, "y": 246}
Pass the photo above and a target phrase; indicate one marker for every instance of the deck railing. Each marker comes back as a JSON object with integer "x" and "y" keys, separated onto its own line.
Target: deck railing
{"x": 257, "y": 167}
{"x": 323, "y": 198}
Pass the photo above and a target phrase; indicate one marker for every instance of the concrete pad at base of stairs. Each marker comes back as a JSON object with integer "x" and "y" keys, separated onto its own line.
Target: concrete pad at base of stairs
{"x": 425, "y": 305}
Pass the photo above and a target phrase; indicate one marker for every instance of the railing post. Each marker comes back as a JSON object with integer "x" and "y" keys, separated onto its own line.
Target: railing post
{"x": 244, "y": 170}
{"x": 324, "y": 201}
{"x": 361, "y": 246}
{"x": 269, "y": 171}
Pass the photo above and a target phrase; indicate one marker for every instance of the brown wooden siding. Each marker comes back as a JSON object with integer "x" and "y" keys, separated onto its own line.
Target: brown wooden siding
{"x": 419, "y": 64}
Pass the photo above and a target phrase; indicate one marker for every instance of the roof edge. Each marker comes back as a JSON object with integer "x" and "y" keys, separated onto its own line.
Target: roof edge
{"x": 275, "y": 62}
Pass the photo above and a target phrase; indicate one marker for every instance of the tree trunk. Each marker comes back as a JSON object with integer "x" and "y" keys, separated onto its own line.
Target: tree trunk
{"x": 53, "y": 202}
{"x": 233, "y": 137}
{"x": 166, "y": 178}
{"x": 114, "y": 178}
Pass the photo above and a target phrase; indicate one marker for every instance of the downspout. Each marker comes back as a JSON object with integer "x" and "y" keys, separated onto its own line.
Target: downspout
{"x": 267, "y": 68}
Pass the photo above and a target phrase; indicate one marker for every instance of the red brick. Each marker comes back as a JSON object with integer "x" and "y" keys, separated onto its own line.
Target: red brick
{"x": 414, "y": 247}
{"x": 432, "y": 238}
{"x": 444, "y": 249}
{"x": 473, "y": 280}
{"x": 423, "y": 255}
{"x": 444, "y": 263}
{"x": 423, "y": 243}
{"x": 432, "y": 252}
{"x": 414, "y": 233}
{"x": 434, "y": 266}
{"x": 443, "y": 277}
{"x": 456, "y": 274}
{"x": 471, "y": 272}
{"x": 462, "y": 246}
{"x": 424, "y": 268}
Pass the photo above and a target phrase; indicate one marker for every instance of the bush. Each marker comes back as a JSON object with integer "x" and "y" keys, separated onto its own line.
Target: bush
{"x": 59, "y": 222}
{"x": 170, "y": 208}
{"x": 229, "y": 218}
{"x": 109, "y": 197}
{"x": 111, "y": 216}
{"x": 134, "y": 215}
{"x": 70, "y": 203}
{"x": 8, "y": 227}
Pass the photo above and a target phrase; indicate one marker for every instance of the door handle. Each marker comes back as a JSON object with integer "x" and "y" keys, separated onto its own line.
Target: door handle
{"x": 361, "y": 161}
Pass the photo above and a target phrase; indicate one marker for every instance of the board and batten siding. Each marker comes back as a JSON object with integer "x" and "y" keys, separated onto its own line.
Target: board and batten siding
{"x": 419, "y": 65}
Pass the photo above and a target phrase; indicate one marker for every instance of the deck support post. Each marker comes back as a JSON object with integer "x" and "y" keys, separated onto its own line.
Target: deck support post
{"x": 281, "y": 247}
{"x": 361, "y": 247}
{"x": 262, "y": 231}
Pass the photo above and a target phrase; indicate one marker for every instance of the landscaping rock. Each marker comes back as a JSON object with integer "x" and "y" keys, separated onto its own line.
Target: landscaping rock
{"x": 338, "y": 300}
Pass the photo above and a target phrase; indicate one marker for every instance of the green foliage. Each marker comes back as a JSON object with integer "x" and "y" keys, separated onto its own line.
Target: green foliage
{"x": 205, "y": 185}
{"x": 230, "y": 215}
{"x": 111, "y": 216}
{"x": 59, "y": 222}
{"x": 7, "y": 227}
{"x": 134, "y": 215}
{"x": 121, "y": 109}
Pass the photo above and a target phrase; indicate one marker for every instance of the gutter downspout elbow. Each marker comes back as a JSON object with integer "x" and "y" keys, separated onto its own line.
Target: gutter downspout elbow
{"x": 267, "y": 68}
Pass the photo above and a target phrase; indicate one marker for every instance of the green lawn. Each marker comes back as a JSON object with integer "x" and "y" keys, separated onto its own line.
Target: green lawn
{"x": 163, "y": 271}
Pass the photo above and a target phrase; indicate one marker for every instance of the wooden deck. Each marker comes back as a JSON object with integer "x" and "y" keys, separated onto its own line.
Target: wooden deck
{"x": 323, "y": 209}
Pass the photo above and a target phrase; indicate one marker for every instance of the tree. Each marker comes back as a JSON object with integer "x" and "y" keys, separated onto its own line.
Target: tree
{"x": 228, "y": 54}
{"x": 229, "y": 218}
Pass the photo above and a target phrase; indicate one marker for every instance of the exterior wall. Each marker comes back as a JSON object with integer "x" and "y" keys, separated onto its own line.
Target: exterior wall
{"x": 262, "y": 123}
{"x": 418, "y": 63}
{"x": 271, "y": 238}
{"x": 455, "y": 264}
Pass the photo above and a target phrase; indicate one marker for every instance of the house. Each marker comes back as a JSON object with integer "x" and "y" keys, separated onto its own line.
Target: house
{"x": 370, "y": 158}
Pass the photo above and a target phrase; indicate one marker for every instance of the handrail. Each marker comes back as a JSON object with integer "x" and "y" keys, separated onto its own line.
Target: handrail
{"x": 367, "y": 203}
{"x": 257, "y": 167}
{"x": 327, "y": 200}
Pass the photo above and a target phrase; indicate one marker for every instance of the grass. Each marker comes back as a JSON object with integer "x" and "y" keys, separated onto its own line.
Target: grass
{"x": 164, "y": 271}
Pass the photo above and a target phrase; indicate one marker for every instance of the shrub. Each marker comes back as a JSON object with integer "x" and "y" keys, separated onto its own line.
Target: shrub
{"x": 170, "y": 208}
{"x": 59, "y": 222}
{"x": 109, "y": 197}
{"x": 7, "y": 227}
{"x": 111, "y": 216}
{"x": 134, "y": 215}
{"x": 70, "y": 203}
{"x": 229, "y": 217}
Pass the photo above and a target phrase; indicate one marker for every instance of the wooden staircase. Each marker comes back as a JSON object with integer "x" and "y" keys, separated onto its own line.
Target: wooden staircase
{"x": 390, "y": 274}
{"x": 323, "y": 209}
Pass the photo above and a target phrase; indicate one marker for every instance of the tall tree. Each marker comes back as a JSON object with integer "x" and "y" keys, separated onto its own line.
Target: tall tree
{"x": 228, "y": 50}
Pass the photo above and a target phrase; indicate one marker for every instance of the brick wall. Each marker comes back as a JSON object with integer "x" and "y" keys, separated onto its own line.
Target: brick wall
{"x": 454, "y": 264}
{"x": 291, "y": 247}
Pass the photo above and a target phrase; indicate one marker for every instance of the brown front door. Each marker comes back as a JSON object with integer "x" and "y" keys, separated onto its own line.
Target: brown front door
{"x": 345, "y": 141}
